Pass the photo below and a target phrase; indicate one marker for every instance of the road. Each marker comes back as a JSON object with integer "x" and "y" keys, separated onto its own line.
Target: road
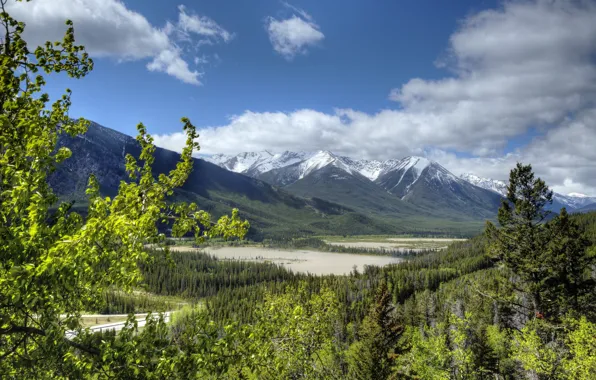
{"x": 117, "y": 326}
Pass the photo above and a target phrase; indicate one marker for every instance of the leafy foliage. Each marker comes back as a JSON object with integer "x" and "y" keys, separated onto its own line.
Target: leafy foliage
{"x": 54, "y": 263}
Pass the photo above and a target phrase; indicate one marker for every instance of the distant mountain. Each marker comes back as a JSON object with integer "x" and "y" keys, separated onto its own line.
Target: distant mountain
{"x": 427, "y": 184}
{"x": 270, "y": 209}
{"x": 255, "y": 163}
{"x": 384, "y": 186}
{"x": 287, "y": 175}
{"x": 336, "y": 183}
{"x": 499, "y": 187}
{"x": 571, "y": 201}
{"x": 588, "y": 208}
{"x": 574, "y": 200}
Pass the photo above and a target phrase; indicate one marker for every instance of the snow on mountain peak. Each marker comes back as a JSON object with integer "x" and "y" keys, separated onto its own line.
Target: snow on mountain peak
{"x": 577, "y": 195}
{"x": 416, "y": 163}
{"x": 571, "y": 200}
{"x": 321, "y": 159}
{"x": 254, "y": 163}
{"x": 495, "y": 185}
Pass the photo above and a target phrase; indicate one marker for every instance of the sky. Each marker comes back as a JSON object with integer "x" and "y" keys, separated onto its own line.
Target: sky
{"x": 474, "y": 85}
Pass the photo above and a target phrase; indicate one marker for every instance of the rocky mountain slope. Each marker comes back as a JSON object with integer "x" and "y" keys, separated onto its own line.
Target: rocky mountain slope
{"x": 416, "y": 181}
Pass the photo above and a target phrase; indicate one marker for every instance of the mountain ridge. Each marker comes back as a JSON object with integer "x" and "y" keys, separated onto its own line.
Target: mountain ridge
{"x": 433, "y": 183}
{"x": 270, "y": 209}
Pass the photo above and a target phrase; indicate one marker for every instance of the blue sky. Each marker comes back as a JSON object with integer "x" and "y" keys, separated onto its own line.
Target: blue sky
{"x": 475, "y": 85}
{"x": 366, "y": 52}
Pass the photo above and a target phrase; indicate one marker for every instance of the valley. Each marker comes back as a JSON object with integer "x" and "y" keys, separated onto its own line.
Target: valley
{"x": 311, "y": 259}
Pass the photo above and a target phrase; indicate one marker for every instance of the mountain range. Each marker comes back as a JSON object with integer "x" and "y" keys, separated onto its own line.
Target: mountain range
{"x": 573, "y": 202}
{"x": 273, "y": 210}
{"x": 416, "y": 180}
{"x": 300, "y": 193}
{"x": 408, "y": 185}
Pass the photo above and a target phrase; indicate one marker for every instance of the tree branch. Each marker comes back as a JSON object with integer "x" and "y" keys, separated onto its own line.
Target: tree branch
{"x": 35, "y": 331}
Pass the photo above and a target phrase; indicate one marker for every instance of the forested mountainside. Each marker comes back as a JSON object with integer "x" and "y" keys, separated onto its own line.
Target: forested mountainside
{"x": 324, "y": 209}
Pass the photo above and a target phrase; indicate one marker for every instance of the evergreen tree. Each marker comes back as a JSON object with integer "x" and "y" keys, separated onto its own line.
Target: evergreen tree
{"x": 374, "y": 355}
{"x": 520, "y": 243}
{"x": 570, "y": 284}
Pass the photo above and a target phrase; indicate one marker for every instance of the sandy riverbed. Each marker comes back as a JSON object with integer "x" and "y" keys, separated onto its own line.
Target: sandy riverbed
{"x": 444, "y": 240}
{"x": 300, "y": 260}
{"x": 369, "y": 244}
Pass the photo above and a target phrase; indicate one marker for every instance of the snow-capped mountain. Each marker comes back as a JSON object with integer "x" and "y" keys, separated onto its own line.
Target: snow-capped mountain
{"x": 574, "y": 200}
{"x": 323, "y": 174}
{"x": 399, "y": 179}
{"x": 495, "y": 185}
{"x": 256, "y": 163}
{"x": 426, "y": 183}
{"x": 242, "y": 162}
{"x": 571, "y": 201}
{"x": 372, "y": 169}
{"x": 283, "y": 175}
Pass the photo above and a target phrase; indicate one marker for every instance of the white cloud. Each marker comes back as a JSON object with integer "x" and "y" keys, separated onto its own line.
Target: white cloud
{"x": 107, "y": 28}
{"x": 169, "y": 61}
{"x": 201, "y": 25}
{"x": 564, "y": 157}
{"x": 528, "y": 64}
{"x": 294, "y": 35}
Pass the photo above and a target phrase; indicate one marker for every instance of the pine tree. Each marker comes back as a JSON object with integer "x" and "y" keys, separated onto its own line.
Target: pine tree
{"x": 570, "y": 284}
{"x": 374, "y": 355}
{"x": 520, "y": 243}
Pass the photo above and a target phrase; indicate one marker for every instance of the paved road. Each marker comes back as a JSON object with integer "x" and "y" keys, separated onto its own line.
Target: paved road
{"x": 110, "y": 315}
{"x": 117, "y": 326}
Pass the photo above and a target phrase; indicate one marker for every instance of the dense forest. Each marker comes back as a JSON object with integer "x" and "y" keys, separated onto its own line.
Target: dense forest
{"x": 456, "y": 313}
{"x": 518, "y": 301}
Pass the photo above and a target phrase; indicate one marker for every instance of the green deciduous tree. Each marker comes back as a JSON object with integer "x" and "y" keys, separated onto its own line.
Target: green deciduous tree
{"x": 53, "y": 262}
{"x": 557, "y": 352}
{"x": 293, "y": 337}
{"x": 429, "y": 356}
